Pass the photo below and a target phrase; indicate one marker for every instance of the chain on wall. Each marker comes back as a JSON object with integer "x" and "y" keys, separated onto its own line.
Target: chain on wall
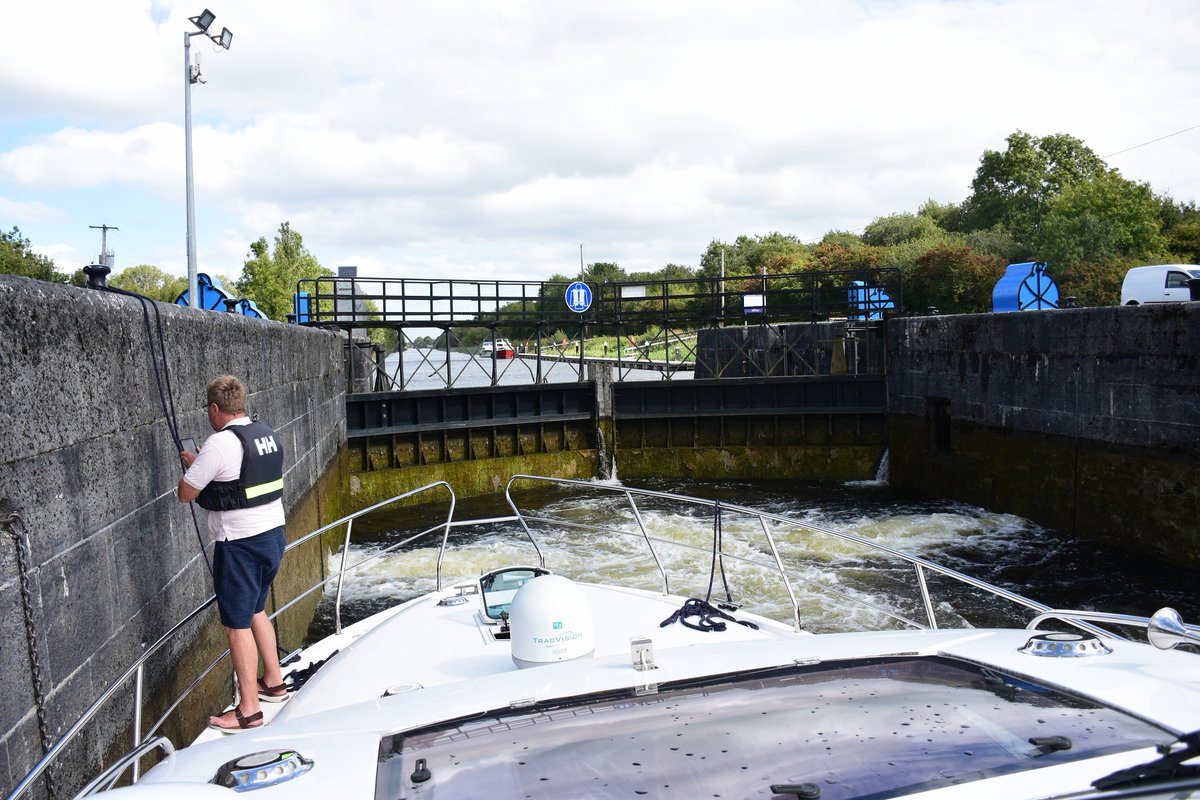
{"x": 16, "y": 529}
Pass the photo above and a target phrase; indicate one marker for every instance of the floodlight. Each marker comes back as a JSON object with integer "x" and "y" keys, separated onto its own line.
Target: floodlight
{"x": 204, "y": 20}
{"x": 191, "y": 74}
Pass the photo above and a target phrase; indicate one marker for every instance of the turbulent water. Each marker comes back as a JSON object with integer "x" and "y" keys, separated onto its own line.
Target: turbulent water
{"x": 828, "y": 575}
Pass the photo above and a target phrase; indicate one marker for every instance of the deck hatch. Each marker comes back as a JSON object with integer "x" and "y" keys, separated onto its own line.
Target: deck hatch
{"x": 926, "y": 722}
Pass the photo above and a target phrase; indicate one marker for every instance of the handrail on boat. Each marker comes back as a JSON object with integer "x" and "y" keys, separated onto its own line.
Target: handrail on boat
{"x": 524, "y": 519}
{"x": 108, "y": 778}
{"x": 920, "y": 565}
{"x": 337, "y": 606}
{"x": 1164, "y": 629}
{"x": 135, "y": 670}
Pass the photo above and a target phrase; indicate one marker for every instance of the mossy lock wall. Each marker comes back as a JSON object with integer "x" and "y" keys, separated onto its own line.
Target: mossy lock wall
{"x": 1082, "y": 420}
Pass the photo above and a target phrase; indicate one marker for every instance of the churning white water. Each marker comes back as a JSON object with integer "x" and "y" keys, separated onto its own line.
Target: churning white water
{"x": 826, "y": 573}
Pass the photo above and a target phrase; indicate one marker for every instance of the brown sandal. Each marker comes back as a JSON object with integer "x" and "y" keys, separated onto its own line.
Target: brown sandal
{"x": 272, "y": 694}
{"x": 243, "y": 722}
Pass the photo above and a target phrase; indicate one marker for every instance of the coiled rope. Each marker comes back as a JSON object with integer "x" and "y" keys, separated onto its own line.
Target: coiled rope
{"x": 710, "y": 617}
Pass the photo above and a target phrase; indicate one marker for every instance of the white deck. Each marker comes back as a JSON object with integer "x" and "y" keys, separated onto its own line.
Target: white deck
{"x": 455, "y": 668}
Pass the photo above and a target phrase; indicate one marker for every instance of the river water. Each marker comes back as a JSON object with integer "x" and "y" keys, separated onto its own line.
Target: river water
{"x": 1008, "y": 551}
{"x": 1013, "y": 553}
{"x": 427, "y": 369}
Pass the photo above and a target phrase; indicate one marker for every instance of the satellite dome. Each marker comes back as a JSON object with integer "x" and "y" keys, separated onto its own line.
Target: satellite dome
{"x": 551, "y": 621}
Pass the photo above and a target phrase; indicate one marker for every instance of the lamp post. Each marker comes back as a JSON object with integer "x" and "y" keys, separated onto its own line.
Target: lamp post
{"x": 192, "y": 75}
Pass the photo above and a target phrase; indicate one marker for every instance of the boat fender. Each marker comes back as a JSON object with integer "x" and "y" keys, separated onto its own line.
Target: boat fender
{"x": 551, "y": 621}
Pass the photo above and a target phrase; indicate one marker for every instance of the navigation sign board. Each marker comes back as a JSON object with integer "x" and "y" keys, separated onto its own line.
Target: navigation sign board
{"x": 579, "y": 297}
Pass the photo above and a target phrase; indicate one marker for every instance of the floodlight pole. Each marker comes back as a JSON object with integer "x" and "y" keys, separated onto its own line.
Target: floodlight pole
{"x": 203, "y": 22}
{"x": 193, "y": 289}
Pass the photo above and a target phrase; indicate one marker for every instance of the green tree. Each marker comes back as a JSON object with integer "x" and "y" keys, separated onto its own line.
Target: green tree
{"x": 900, "y": 228}
{"x": 1181, "y": 228}
{"x": 995, "y": 241}
{"x": 602, "y": 271}
{"x": 1107, "y": 219}
{"x": 718, "y": 253}
{"x": 902, "y": 239}
{"x": 946, "y": 216}
{"x": 773, "y": 254}
{"x": 1183, "y": 241}
{"x": 954, "y": 279}
{"x": 269, "y": 276}
{"x": 1014, "y": 188}
{"x": 837, "y": 254}
{"x": 17, "y": 258}
{"x": 150, "y": 281}
{"x": 1091, "y": 283}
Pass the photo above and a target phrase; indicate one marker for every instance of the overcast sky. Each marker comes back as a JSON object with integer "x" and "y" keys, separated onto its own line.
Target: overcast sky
{"x": 492, "y": 139}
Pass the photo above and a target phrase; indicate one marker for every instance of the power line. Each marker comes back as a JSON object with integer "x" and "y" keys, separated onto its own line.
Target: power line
{"x": 1181, "y": 183}
{"x": 1152, "y": 141}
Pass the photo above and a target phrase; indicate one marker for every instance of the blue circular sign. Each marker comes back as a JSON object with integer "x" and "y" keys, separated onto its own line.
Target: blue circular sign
{"x": 579, "y": 297}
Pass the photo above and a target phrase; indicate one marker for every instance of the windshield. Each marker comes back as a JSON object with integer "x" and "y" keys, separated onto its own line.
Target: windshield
{"x": 863, "y": 728}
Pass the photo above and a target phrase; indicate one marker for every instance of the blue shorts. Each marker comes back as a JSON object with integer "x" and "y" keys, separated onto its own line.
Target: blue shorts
{"x": 242, "y": 573}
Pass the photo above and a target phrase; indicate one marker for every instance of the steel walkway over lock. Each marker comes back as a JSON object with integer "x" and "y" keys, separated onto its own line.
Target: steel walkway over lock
{"x": 714, "y": 327}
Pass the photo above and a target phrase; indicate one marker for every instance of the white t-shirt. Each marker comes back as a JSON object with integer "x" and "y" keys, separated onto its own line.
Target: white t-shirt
{"x": 220, "y": 459}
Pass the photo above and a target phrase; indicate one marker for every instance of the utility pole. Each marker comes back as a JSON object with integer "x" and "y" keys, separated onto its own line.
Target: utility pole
{"x": 582, "y": 325}
{"x": 722, "y": 298}
{"x": 106, "y": 257}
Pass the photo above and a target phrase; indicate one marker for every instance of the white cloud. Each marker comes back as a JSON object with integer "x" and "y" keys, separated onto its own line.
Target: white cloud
{"x": 494, "y": 137}
{"x": 73, "y": 158}
{"x": 21, "y": 213}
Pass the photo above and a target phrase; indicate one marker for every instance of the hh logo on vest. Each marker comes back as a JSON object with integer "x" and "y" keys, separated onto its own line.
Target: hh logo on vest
{"x": 266, "y": 445}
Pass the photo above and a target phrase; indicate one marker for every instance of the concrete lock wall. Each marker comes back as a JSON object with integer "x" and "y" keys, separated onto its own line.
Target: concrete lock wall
{"x": 1083, "y": 420}
{"x": 89, "y": 465}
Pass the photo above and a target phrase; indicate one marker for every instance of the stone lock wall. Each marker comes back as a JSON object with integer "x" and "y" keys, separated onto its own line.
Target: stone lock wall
{"x": 88, "y": 465}
{"x": 1083, "y": 420}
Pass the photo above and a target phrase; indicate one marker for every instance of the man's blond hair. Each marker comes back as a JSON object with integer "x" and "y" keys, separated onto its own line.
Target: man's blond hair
{"x": 228, "y": 393}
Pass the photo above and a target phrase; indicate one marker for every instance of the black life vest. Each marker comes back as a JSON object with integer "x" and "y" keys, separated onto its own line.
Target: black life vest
{"x": 261, "y": 479}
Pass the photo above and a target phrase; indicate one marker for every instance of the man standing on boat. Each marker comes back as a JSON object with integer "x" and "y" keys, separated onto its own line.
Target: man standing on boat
{"x": 238, "y": 477}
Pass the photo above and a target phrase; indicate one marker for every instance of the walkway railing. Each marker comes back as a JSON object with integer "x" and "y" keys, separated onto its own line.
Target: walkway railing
{"x": 365, "y": 302}
{"x": 635, "y": 325}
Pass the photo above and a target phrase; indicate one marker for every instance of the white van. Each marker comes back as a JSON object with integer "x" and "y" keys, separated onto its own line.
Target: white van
{"x": 1161, "y": 283}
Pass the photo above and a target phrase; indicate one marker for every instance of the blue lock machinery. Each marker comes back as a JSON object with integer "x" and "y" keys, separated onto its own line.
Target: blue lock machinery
{"x": 1025, "y": 287}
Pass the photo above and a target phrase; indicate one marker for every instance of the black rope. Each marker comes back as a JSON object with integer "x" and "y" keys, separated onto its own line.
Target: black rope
{"x": 165, "y": 395}
{"x": 167, "y": 400}
{"x": 718, "y": 561}
{"x": 709, "y": 617}
{"x": 298, "y": 677}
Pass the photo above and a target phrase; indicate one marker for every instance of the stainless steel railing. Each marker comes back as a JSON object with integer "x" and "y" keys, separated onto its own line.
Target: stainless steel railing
{"x": 141, "y": 744}
{"x": 530, "y": 520}
{"x": 532, "y": 523}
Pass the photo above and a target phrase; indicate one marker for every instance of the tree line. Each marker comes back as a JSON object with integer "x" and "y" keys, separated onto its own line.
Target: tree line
{"x": 269, "y": 273}
{"x": 1048, "y": 199}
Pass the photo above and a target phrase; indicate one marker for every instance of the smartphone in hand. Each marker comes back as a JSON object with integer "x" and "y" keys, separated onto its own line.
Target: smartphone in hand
{"x": 189, "y": 445}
